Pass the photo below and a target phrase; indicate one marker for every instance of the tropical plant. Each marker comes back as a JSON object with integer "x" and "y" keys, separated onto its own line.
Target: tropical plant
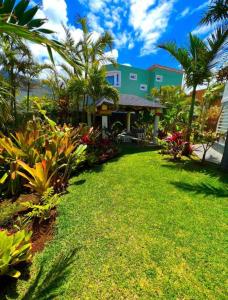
{"x": 211, "y": 95}
{"x": 197, "y": 62}
{"x": 17, "y": 20}
{"x": 5, "y": 112}
{"x": 206, "y": 139}
{"x": 39, "y": 177}
{"x": 217, "y": 12}
{"x": 41, "y": 211}
{"x": 32, "y": 71}
{"x": 14, "y": 249}
{"x": 13, "y": 56}
{"x": 91, "y": 54}
{"x": 176, "y": 109}
{"x": 176, "y": 146}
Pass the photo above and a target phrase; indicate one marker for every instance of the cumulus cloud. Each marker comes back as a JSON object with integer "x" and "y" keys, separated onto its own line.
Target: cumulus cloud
{"x": 150, "y": 20}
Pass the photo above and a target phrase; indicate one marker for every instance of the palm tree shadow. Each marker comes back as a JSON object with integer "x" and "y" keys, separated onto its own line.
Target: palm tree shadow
{"x": 47, "y": 285}
{"x": 203, "y": 188}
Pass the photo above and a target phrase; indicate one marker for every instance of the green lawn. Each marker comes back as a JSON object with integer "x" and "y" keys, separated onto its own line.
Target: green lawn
{"x": 138, "y": 227}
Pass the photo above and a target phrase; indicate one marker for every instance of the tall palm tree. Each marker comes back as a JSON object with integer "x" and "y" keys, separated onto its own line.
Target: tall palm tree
{"x": 13, "y": 56}
{"x": 197, "y": 62}
{"x": 30, "y": 72}
{"x": 88, "y": 52}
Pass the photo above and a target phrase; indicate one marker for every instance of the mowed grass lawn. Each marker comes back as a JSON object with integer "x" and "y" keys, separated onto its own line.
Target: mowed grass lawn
{"x": 140, "y": 227}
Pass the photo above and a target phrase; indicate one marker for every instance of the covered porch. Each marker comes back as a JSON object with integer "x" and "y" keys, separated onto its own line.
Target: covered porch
{"x": 128, "y": 106}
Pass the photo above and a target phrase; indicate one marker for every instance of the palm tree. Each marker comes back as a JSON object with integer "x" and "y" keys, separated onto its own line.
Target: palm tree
{"x": 5, "y": 113}
{"x": 31, "y": 71}
{"x": 99, "y": 88}
{"x": 13, "y": 56}
{"x": 94, "y": 87}
{"x": 17, "y": 19}
{"x": 217, "y": 12}
{"x": 88, "y": 52}
{"x": 197, "y": 62}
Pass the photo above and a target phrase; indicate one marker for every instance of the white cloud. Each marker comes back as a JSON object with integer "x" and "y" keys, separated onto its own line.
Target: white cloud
{"x": 202, "y": 30}
{"x": 184, "y": 13}
{"x": 126, "y": 64}
{"x": 188, "y": 11}
{"x": 112, "y": 54}
{"x": 150, "y": 22}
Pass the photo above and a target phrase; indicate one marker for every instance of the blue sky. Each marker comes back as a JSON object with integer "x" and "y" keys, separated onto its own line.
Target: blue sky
{"x": 137, "y": 26}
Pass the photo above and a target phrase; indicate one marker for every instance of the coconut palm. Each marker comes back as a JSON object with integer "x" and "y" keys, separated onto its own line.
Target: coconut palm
{"x": 197, "y": 62}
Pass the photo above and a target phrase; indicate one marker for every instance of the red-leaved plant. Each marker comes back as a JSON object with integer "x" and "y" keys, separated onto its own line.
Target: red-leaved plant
{"x": 177, "y": 146}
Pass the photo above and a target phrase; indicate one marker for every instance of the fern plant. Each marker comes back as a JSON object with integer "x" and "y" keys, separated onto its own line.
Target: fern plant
{"x": 41, "y": 211}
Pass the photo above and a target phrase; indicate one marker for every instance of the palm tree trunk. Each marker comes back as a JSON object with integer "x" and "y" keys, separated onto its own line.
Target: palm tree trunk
{"x": 191, "y": 113}
{"x": 28, "y": 94}
{"x": 224, "y": 162}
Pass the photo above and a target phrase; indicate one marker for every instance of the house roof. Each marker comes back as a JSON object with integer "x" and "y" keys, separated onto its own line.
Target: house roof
{"x": 165, "y": 68}
{"x": 132, "y": 100}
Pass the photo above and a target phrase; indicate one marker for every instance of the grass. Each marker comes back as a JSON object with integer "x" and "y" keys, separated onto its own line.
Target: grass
{"x": 139, "y": 227}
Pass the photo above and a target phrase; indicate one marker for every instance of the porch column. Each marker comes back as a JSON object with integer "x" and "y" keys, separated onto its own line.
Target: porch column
{"x": 128, "y": 122}
{"x": 104, "y": 124}
{"x": 156, "y": 122}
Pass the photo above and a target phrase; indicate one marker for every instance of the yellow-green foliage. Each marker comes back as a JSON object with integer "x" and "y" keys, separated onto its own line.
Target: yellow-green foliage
{"x": 49, "y": 200}
{"x": 14, "y": 248}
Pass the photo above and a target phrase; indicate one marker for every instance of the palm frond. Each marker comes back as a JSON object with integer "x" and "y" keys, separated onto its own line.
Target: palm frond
{"x": 217, "y": 12}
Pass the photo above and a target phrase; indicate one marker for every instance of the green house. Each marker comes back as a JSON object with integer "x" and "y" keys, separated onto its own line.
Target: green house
{"x": 134, "y": 87}
{"x": 139, "y": 82}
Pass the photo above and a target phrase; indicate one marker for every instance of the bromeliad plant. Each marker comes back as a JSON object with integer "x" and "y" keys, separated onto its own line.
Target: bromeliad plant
{"x": 14, "y": 249}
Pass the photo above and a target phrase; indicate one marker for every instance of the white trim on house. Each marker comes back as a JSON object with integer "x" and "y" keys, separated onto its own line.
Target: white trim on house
{"x": 117, "y": 77}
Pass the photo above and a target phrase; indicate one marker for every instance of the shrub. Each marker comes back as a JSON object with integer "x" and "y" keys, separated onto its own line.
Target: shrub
{"x": 14, "y": 249}
{"x": 177, "y": 146}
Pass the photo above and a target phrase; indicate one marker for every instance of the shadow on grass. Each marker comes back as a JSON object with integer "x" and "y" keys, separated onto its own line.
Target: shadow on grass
{"x": 202, "y": 188}
{"x": 47, "y": 284}
{"x": 192, "y": 166}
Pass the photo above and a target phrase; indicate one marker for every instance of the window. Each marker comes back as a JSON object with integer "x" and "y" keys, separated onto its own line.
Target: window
{"x": 159, "y": 78}
{"x": 114, "y": 78}
{"x": 133, "y": 76}
{"x": 143, "y": 87}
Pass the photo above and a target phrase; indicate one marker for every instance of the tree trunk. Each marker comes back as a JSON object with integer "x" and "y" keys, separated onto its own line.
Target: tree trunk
{"x": 28, "y": 95}
{"x": 224, "y": 162}
{"x": 191, "y": 114}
